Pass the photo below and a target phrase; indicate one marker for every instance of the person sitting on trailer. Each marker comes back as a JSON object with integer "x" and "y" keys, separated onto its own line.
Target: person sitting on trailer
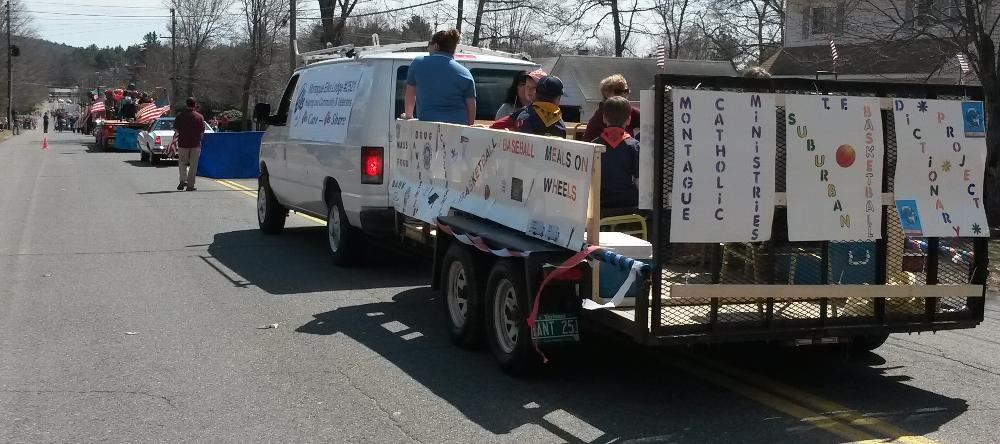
{"x": 620, "y": 160}
{"x": 543, "y": 117}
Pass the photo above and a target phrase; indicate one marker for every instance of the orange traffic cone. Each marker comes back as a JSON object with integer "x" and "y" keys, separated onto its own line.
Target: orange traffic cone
{"x": 45, "y": 143}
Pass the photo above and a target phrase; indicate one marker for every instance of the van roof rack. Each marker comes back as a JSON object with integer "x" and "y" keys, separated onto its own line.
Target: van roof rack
{"x": 351, "y": 51}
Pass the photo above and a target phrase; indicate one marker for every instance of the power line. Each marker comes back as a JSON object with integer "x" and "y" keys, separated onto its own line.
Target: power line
{"x": 36, "y": 2}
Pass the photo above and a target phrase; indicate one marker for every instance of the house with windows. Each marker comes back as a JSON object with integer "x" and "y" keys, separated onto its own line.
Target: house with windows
{"x": 875, "y": 39}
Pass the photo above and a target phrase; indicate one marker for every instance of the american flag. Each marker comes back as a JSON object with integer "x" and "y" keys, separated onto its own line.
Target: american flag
{"x": 963, "y": 63}
{"x": 660, "y": 59}
{"x": 97, "y": 107}
{"x": 150, "y": 112}
{"x": 833, "y": 54}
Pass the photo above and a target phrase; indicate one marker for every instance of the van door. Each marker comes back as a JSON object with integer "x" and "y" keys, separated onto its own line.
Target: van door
{"x": 273, "y": 147}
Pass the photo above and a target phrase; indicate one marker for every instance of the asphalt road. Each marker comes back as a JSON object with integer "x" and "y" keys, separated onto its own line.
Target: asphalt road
{"x": 130, "y": 312}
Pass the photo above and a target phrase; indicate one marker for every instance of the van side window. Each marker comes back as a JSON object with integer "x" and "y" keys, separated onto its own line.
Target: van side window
{"x": 491, "y": 89}
{"x": 286, "y": 98}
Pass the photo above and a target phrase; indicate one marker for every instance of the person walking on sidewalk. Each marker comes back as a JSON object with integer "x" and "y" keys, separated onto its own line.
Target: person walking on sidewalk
{"x": 45, "y": 123}
{"x": 190, "y": 126}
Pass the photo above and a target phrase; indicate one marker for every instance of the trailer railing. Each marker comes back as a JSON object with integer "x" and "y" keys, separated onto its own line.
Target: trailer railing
{"x": 892, "y": 261}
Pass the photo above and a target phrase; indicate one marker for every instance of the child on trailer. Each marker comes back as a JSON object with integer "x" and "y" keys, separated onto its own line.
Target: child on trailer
{"x": 620, "y": 160}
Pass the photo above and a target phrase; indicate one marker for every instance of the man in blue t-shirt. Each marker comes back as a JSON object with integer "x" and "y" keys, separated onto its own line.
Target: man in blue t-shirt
{"x": 442, "y": 89}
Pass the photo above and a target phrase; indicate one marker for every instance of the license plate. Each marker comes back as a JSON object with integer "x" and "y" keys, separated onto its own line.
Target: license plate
{"x": 556, "y": 328}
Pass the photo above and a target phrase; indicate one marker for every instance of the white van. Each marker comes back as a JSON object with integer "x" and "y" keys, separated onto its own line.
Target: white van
{"x": 325, "y": 149}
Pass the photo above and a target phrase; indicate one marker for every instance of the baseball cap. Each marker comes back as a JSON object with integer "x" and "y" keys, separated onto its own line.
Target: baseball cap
{"x": 549, "y": 86}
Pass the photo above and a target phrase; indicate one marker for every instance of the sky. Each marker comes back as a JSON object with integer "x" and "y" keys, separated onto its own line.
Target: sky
{"x": 52, "y": 20}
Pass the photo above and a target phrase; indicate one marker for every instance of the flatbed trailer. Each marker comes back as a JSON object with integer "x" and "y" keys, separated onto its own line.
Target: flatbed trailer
{"x": 703, "y": 293}
{"x": 104, "y": 133}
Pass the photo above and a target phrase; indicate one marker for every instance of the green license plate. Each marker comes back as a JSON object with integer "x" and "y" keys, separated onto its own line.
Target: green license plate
{"x": 556, "y": 328}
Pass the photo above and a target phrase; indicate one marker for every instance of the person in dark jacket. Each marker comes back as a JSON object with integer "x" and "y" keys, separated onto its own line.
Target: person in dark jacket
{"x": 543, "y": 117}
{"x": 190, "y": 126}
{"x": 45, "y": 122}
{"x": 612, "y": 86}
{"x": 620, "y": 160}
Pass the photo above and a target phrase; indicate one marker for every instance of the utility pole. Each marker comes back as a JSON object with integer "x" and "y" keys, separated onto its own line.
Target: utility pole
{"x": 291, "y": 36}
{"x": 173, "y": 57}
{"x": 10, "y": 73}
{"x": 458, "y": 25}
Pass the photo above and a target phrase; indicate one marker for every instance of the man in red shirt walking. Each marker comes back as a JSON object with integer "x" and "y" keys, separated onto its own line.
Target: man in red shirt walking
{"x": 190, "y": 126}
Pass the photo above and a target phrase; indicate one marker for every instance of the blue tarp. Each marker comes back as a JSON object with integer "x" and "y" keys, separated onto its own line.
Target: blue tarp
{"x": 230, "y": 155}
{"x": 126, "y": 139}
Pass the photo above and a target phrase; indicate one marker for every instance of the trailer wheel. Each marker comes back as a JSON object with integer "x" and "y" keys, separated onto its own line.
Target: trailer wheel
{"x": 862, "y": 344}
{"x": 143, "y": 156}
{"x": 507, "y": 306}
{"x": 271, "y": 214}
{"x": 462, "y": 298}
{"x": 343, "y": 239}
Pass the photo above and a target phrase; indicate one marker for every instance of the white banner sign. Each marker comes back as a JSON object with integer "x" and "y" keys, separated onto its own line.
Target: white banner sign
{"x": 323, "y": 99}
{"x": 941, "y": 156}
{"x": 723, "y": 188}
{"x": 537, "y": 185}
{"x": 834, "y": 167}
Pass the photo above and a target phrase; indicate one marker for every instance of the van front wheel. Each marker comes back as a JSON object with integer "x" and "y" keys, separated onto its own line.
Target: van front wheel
{"x": 343, "y": 239}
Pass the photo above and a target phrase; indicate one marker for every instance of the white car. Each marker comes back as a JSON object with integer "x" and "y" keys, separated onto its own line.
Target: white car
{"x": 328, "y": 157}
{"x": 155, "y": 138}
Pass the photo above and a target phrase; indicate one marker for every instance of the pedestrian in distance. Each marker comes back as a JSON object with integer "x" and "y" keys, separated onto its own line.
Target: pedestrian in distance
{"x": 441, "y": 89}
{"x": 45, "y": 123}
{"x": 620, "y": 159}
{"x": 15, "y": 125}
{"x": 612, "y": 86}
{"x": 190, "y": 126}
{"x": 543, "y": 117}
{"x": 521, "y": 92}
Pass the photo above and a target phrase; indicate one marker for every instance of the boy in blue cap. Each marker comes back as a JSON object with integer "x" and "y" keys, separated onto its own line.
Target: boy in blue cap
{"x": 543, "y": 117}
{"x": 620, "y": 160}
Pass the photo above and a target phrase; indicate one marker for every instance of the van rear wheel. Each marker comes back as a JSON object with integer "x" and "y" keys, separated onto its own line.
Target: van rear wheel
{"x": 343, "y": 239}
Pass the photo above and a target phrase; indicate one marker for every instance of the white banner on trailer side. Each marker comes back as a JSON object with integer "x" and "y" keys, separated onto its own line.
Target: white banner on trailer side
{"x": 941, "y": 156}
{"x": 321, "y": 110}
{"x": 833, "y": 168}
{"x": 534, "y": 184}
{"x": 723, "y": 187}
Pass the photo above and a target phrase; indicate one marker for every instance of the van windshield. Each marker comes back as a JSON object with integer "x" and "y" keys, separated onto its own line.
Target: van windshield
{"x": 491, "y": 89}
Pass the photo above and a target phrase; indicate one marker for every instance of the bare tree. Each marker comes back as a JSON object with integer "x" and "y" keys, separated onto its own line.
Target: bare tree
{"x": 673, "y": 15}
{"x": 757, "y": 25}
{"x": 334, "y": 15}
{"x": 967, "y": 27}
{"x": 199, "y": 22}
{"x": 263, "y": 21}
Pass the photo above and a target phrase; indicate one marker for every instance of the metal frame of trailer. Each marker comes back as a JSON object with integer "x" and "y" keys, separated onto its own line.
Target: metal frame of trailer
{"x": 780, "y": 290}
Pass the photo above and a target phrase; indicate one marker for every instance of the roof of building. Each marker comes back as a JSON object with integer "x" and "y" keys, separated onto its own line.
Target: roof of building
{"x": 588, "y": 71}
{"x": 911, "y": 56}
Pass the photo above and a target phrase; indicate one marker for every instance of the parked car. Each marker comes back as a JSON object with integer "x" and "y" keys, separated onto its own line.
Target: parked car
{"x": 155, "y": 138}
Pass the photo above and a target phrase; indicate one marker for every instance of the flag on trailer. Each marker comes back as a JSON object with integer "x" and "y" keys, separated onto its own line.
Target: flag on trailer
{"x": 963, "y": 63}
{"x": 150, "y": 112}
{"x": 660, "y": 59}
{"x": 834, "y": 56}
{"x": 97, "y": 107}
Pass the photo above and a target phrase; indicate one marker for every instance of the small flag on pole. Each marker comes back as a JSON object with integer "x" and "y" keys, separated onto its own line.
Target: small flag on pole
{"x": 660, "y": 59}
{"x": 150, "y": 112}
{"x": 963, "y": 63}
{"x": 834, "y": 56}
{"x": 97, "y": 107}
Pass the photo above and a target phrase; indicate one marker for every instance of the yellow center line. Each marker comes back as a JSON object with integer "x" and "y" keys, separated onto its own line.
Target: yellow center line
{"x": 829, "y": 408}
{"x": 253, "y": 193}
{"x": 776, "y": 402}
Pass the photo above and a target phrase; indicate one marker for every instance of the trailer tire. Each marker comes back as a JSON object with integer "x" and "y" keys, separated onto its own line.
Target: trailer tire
{"x": 862, "y": 344}
{"x": 462, "y": 297}
{"x": 271, "y": 215}
{"x": 507, "y": 307}
{"x": 343, "y": 240}
{"x": 143, "y": 156}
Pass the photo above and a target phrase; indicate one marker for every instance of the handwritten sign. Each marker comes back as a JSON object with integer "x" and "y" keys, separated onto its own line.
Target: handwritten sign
{"x": 834, "y": 167}
{"x": 941, "y": 152}
{"x": 324, "y": 97}
{"x": 534, "y": 184}
{"x": 723, "y": 189}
